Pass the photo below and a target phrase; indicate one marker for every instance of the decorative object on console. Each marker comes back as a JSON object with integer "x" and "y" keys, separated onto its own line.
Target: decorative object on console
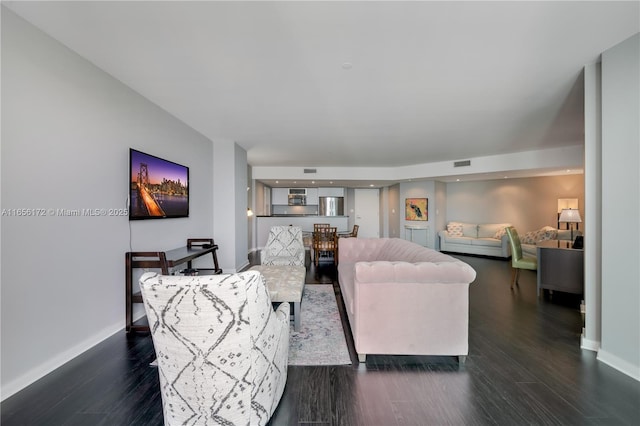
{"x": 221, "y": 350}
{"x": 570, "y": 216}
{"x": 416, "y": 209}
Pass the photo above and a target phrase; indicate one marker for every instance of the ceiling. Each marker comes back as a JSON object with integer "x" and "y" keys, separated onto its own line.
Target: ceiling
{"x": 353, "y": 84}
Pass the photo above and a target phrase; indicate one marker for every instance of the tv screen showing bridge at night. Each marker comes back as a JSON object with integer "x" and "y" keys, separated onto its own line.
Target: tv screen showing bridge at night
{"x": 158, "y": 188}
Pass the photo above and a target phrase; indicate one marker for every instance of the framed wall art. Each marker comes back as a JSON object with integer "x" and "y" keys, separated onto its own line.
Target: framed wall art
{"x": 416, "y": 209}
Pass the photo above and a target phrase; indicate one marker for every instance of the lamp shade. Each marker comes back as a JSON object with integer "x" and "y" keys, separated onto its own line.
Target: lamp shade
{"x": 570, "y": 216}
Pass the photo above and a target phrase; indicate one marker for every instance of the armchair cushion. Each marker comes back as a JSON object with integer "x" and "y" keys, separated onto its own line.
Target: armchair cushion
{"x": 222, "y": 351}
{"x": 284, "y": 247}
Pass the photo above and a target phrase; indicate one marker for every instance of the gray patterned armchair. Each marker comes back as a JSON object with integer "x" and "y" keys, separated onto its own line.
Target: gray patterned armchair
{"x": 222, "y": 350}
{"x": 284, "y": 247}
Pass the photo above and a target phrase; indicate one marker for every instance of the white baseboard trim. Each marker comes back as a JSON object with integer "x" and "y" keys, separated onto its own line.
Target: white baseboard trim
{"x": 58, "y": 361}
{"x": 243, "y": 266}
{"x": 590, "y": 345}
{"x": 619, "y": 364}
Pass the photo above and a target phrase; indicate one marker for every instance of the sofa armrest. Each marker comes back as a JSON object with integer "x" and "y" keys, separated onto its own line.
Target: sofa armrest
{"x": 410, "y": 317}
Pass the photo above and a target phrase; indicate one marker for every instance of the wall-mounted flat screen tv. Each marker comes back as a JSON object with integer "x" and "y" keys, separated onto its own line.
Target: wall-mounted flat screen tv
{"x": 158, "y": 188}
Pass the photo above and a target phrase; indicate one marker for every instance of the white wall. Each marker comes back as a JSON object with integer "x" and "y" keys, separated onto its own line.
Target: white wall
{"x": 395, "y": 211}
{"x": 592, "y": 331}
{"x": 527, "y": 203}
{"x": 439, "y": 211}
{"x": 422, "y": 189}
{"x": 621, "y": 207}
{"x": 230, "y": 205}
{"x": 241, "y": 221}
{"x": 66, "y": 132}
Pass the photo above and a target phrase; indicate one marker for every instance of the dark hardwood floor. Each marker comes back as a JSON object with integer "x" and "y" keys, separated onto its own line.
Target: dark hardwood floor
{"x": 525, "y": 366}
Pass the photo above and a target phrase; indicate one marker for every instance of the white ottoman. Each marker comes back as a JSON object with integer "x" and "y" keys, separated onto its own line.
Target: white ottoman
{"x": 285, "y": 284}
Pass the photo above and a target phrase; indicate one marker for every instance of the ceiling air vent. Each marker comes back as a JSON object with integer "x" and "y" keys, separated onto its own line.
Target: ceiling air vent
{"x": 310, "y": 171}
{"x": 462, "y": 163}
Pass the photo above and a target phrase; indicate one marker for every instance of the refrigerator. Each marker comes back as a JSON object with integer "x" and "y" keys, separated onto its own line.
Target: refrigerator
{"x": 331, "y": 206}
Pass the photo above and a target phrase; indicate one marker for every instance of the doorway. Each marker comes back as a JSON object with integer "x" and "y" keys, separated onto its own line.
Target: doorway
{"x": 367, "y": 212}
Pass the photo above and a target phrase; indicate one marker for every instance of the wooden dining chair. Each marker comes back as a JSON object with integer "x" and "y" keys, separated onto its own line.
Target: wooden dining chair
{"x": 351, "y": 234}
{"x": 325, "y": 241}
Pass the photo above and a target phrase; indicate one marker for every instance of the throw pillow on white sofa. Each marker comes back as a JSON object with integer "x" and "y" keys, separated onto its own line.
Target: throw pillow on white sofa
{"x": 542, "y": 234}
{"x": 490, "y": 230}
{"x": 454, "y": 229}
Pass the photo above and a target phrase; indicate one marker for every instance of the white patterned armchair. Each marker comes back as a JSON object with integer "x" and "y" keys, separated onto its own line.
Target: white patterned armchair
{"x": 222, "y": 350}
{"x": 284, "y": 247}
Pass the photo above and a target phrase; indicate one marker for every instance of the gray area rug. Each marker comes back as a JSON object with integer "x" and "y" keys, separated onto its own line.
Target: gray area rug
{"x": 320, "y": 340}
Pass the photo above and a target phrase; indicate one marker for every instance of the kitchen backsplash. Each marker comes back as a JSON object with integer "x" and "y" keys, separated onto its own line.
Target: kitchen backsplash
{"x": 308, "y": 210}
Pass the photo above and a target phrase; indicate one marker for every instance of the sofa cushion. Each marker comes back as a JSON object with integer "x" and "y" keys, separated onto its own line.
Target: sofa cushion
{"x": 489, "y": 230}
{"x": 470, "y": 230}
{"x": 458, "y": 240}
{"x": 491, "y": 242}
{"x": 454, "y": 229}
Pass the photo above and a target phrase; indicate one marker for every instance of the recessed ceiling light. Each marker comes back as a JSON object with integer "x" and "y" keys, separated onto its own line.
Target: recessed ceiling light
{"x": 372, "y": 185}
{"x": 347, "y": 65}
{"x": 457, "y": 180}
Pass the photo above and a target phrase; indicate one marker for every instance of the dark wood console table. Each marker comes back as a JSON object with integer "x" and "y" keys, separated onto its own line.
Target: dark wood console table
{"x": 560, "y": 267}
{"x": 165, "y": 261}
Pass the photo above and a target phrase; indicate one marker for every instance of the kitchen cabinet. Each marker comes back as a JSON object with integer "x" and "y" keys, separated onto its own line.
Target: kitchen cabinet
{"x": 330, "y": 192}
{"x": 280, "y": 196}
{"x": 312, "y": 196}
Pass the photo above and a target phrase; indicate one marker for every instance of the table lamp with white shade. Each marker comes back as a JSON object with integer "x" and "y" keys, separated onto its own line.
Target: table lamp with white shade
{"x": 570, "y": 216}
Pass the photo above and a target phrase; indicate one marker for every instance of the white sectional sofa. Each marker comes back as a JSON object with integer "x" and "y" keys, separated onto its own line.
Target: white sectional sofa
{"x": 529, "y": 239}
{"x": 472, "y": 238}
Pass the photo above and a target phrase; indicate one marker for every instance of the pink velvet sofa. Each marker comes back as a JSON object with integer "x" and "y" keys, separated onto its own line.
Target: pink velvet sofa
{"x": 404, "y": 299}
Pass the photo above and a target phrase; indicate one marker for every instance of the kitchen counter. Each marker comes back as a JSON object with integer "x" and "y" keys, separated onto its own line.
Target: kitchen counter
{"x": 296, "y": 215}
